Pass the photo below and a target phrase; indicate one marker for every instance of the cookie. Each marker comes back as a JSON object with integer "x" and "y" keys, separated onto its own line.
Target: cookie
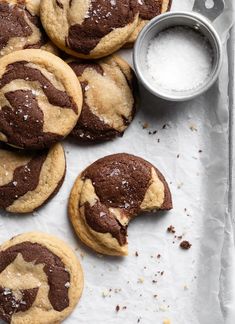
{"x": 40, "y": 99}
{"x": 41, "y": 279}
{"x": 28, "y": 180}
{"x": 91, "y": 28}
{"x": 109, "y": 92}
{"x": 148, "y": 9}
{"x": 21, "y": 27}
{"x": 109, "y": 194}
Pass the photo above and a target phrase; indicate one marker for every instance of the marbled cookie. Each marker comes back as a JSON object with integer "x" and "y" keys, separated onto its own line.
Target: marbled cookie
{"x": 108, "y": 194}
{"x": 109, "y": 92}
{"x": 41, "y": 279}
{"x": 89, "y": 28}
{"x": 20, "y": 27}
{"x": 148, "y": 9}
{"x": 28, "y": 180}
{"x": 40, "y": 99}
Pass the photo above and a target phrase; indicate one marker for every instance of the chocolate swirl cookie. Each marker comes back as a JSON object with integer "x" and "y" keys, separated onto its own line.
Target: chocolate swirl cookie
{"x": 89, "y": 28}
{"x": 20, "y": 27}
{"x": 40, "y": 99}
{"x": 41, "y": 279}
{"x": 109, "y": 92}
{"x": 148, "y": 9}
{"x": 109, "y": 194}
{"x": 28, "y": 180}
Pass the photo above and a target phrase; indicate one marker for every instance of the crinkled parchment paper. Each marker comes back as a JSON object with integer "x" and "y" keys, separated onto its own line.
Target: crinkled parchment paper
{"x": 191, "y": 148}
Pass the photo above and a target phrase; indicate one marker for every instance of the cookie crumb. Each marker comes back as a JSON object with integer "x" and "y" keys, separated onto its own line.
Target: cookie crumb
{"x": 136, "y": 254}
{"x": 166, "y": 321}
{"x": 185, "y": 245}
{"x": 140, "y": 280}
{"x": 171, "y": 229}
{"x": 145, "y": 125}
{"x": 117, "y": 308}
{"x": 158, "y": 256}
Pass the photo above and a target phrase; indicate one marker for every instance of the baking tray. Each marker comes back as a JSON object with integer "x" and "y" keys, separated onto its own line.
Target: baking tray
{"x": 193, "y": 147}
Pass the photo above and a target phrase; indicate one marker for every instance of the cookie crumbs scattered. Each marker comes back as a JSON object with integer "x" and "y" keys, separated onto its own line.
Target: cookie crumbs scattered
{"x": 158, "y": 256}
{"x": 136, "y": 254}
{"x": 179, "y": 185}
{"x": 165, "y": 126}
{"x": 154, "y": 281}
{"x": 185, "y": 245}
{"x": 178, "y": 156}
{"x": 145, "y": 125}
{"x": 140, "y": 280}
{"x": 200, "y": 151}
{"x": 138, "y": 320}
{"x": 155, "y": 296}
{"x": 166, "y": 321}
{"x": 162, "y": 273}
{"x": 154, "y": 132}
{"x": 158, "y": 140}
{"x": 193, "y": 128}
{"x": 124, "y": 307}
{"x": 180, "y": 237}
{"x": 171, "y": 229}
{"x": 117, "y": 308}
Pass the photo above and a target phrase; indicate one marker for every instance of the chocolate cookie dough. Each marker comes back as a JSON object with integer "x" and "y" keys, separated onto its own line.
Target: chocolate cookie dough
{"x": 148, "y": 9}
{"x": 109, "y": 92}
{"x": 91, "y": 28}
{"x": 21, "y": 28}
{"x": 41, "y": 279}
{"x": 109, "y": 194}
{"x": 40, "y": 99}
{"x": 28, "y": 180}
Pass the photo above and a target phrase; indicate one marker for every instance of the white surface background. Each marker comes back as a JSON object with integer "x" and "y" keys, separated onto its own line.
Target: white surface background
{"x": 196, "y": 287}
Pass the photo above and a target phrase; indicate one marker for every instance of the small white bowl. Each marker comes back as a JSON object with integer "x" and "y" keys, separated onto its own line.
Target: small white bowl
{"x": 163, "y": 22}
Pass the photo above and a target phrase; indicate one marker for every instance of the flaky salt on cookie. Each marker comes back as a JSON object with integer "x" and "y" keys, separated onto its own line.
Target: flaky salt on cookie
{"x": 21, "y": 27}
{"x": 29, "y": 179}
{"x": 110, "y": 95}
{"x": 41, "y": 279}
{"x": 109, "y": 194}
{"x": 89, "y": 28}
{"x": 40, "y": 99}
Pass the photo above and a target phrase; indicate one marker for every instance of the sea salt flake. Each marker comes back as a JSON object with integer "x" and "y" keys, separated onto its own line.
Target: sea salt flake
{"x": 15, "y": 183}
{"x": 67, "y": 285}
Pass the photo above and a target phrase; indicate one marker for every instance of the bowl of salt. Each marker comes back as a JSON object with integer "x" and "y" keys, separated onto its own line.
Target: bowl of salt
{"x": 178, "y": 55}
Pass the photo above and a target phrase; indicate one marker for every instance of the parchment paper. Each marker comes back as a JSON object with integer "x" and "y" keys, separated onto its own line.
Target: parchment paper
{"x": 191, "y": 148}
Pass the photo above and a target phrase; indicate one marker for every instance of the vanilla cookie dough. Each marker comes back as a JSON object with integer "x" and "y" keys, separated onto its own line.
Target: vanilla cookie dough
{"x": 41, "y": 279}
{"x": 21, "y": 27}
{"x": 148, "y": 9}
{"x": 109, "y": 194}
{"x": 29, "y": 179}
{"x": 89, "y": 28}
{"x": 109, "y": 92}
{"x": 40, "y": 99}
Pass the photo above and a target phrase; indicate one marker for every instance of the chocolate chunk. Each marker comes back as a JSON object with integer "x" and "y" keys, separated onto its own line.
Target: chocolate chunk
{"x": 25, "y": 179}
{"x": 171, "y": 229}
{"x": 185, "y": 245}
{"x": 54, "y": 268}
{"x": 103, "y": 16}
